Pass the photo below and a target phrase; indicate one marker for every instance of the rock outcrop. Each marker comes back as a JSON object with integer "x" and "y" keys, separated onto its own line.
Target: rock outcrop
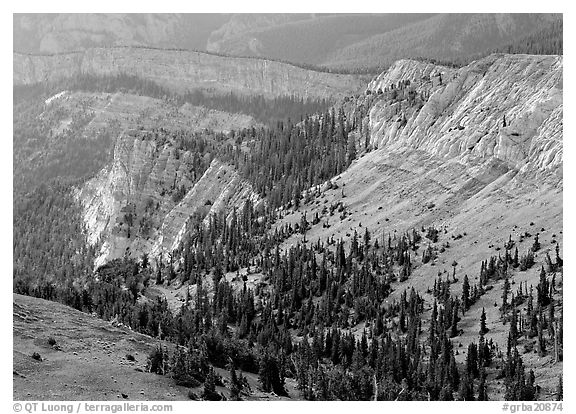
{"x": 130, "y": 208}
{"x": 508, "y": 107}
{"x": 220, "y": 189}
{"x": 480, "y": 155}
{"x": 181, "y": 70}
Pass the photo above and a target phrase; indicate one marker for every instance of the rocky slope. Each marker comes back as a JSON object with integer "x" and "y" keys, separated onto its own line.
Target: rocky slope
{"x": 132, "y": 187}
{"x": 504, "y": 106}
{"x": 130, "y": 206}
{"x": 450, "y": 160}
{"x": 451, "y": 163}
{"x": 181, "y": 70}
{"x": 221, "y": 189}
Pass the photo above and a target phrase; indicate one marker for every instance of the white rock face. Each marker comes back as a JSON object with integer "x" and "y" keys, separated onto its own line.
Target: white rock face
{"x": 138, "y": 181}
{"x": 504, "y": 106}
{"x": 219, "y": 189}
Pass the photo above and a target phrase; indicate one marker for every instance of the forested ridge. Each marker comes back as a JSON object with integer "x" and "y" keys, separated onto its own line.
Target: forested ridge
{"x": 265, "y": 110}
{"x": 318, "y": 313}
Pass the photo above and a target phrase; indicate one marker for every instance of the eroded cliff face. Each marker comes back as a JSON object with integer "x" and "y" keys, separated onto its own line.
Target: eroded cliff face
{"x": 221, "y": 189}
{"x": 447, "y": 160}
{"x": 131, "y": 207}
{"x": 180, "y": 70}
{"x": 506, "y": 107}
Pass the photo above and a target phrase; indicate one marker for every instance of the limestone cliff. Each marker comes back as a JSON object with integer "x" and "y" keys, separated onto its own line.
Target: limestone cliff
{"x": 477, "y": 151}
{"x": 219, "y": 190}
{"x": 130, "y": 207}
{"x": 180, "y": 70}
{"x": 139, "y": 201}
{"x": 508, "y": 107}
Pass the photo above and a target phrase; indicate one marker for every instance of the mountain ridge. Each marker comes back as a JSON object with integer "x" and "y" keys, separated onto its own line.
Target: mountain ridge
{"x": 190, "y": 70}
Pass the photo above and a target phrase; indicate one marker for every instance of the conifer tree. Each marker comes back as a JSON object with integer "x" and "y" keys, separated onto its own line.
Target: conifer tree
{"x": 466, "y": 390}
{"x": 543, "y": 289}
{"x": 235, "y": 385}
{"x": 465, "y": 294}
{"x": 483, "y": 328}
{"x": 482, "y": 394}
{"x": 515, "y": 262}
{"x": 209, "y": 393}
{"x": 559, "y": 389}
{"x": 536, "y": 244}
{"x": 505, "y": 292}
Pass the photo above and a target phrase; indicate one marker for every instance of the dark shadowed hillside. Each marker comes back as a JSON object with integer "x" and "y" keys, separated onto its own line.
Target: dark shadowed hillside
{"x": 56, "y": 33}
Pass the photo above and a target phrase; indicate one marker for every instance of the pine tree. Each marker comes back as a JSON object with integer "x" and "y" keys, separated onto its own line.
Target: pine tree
{"x": 483, "y": 328}
{"x": 269, "y": 374}
{"x": 541, "y": 341}
{"x": 559, "y": 389}
{"x": 454, "y": 326}
{"x": 472, "y": 361}
{"x": 536, "y": 244}
{"x": 515, "y": 262}
{"x": 505, "y": 292}
{"x": 465, "y": 294}
{"x": 235, "y": 385}
{"x": 559, "y": 261}
{"x": 482, "y": 393}
{"x": 543, "y": 289}
{"x": 466, "y": 390}
{"x": 209, "y": 393}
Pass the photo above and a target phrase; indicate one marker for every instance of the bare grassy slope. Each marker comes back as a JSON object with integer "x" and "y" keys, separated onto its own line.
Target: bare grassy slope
{"x": 90, "y": 362}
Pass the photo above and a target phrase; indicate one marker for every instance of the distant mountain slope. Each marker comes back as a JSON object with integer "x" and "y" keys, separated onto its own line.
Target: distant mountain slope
{"x": 547, "y": 41}
{"x": 451, "y": 37}
{"x": 356, "y": 42}
{"x": 233, "y": 30}
{"x": 311, "y": 40}
{"x": 65, "y": 32}
{"x": 187, "y": 70}
{"x": 361, "y": 42}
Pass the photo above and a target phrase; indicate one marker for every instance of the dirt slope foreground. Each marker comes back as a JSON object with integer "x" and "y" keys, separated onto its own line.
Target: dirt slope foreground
{"x": 88, "y": 360}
